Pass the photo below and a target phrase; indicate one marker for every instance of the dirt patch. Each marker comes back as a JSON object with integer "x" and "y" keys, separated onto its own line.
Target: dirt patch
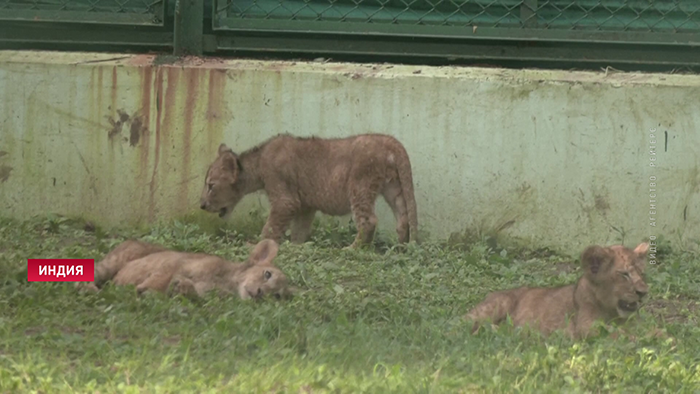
{"x": 136, "y": 130}
{"x": 110, "y": 337}
{"x": 680, "y": 310}
{"x": 72, "y": 330}
{"x": 5, "y": 173}
{"x": 601, "y": 203}
{"x": 69, "y": 242}
{"x": 33, "y": 331}
{"x": 172, "y": 340}
{"x": 116, "y": 125}
{"x": 540, "y": 253}
{"x": 135, "y": 122}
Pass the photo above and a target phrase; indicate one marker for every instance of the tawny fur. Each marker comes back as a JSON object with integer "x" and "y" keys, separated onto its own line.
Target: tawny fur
{"x": 301, "y": 176}
{"x": 152, "y": 267}
{"x": 611, "y": 289}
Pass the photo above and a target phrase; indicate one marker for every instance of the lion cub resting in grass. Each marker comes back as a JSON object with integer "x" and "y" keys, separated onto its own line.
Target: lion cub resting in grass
{"x": 153, "y": 267}
{"x": 300, "y": 176}
{"x": 611, "y": 288}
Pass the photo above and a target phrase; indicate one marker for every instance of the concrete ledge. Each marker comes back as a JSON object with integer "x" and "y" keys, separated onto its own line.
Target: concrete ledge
{"x": 555, "y": 158}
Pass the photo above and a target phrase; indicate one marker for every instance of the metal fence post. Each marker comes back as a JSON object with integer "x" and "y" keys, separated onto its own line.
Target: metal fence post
{"x": 189, "y": 27}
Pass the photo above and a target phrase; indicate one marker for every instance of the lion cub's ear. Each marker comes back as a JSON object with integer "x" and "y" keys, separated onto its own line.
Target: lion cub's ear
{"x": 229, "y": 160}
{"x": 596, "y": 259}
{"x": 642, "y": 249}
{"x": 223, "y": 149}
{"x": 264, "y": 252}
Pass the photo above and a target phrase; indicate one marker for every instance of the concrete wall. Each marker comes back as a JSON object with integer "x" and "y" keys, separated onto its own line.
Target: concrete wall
{"x": 559, "y": 159}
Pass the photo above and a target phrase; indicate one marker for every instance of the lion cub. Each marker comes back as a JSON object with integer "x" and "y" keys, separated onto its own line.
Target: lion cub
{"x": 154, "y": 268}
{"x": 611, "y": 288}
{"x": 303, "y": 175}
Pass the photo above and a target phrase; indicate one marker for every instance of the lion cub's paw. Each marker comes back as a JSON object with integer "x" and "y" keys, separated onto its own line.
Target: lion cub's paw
{"x": 356, "y": 246}
{"x": 182, "y": 286}
{"x": 87, "y": 287}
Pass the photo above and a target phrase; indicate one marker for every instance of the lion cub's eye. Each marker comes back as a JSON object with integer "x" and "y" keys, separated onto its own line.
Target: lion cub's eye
{"x": 210, "y": 186}
{"x": 625, "y": 274}
{"x": 267, "y": 275}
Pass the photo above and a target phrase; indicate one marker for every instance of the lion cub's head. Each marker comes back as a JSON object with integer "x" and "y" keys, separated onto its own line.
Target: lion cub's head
{"x": 260, "y": 277}
{"x": 617, "y": 274}
{"x": 221, "y": 192}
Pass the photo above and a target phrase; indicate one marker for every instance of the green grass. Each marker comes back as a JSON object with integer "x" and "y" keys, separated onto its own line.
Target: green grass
{"x": 376, "y": 321}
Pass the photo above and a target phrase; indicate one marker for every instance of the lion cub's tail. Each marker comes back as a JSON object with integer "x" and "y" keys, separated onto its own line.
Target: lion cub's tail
{"x": 406, "y": 180}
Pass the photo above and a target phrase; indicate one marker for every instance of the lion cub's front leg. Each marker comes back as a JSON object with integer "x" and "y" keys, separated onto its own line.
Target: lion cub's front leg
{"x": 494, "y": 309}
{"x": 301, "y": 226}
{"x": 583, "y": 325}
{"x": 277, "y": 223}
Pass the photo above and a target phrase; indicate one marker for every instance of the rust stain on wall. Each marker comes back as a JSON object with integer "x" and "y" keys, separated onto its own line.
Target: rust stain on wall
{"x": 115, "y": 84}
{"x": 601, "y": 203}
{"x": 165, "y": 93}
{"x": 100, "y": 79}
{"x": 215, "y": 110}
{"x": 192, "y": 81}
{"x": 146, "y": 86}
{"x": 159, "y": 106}
{"x": 139, "y": 132}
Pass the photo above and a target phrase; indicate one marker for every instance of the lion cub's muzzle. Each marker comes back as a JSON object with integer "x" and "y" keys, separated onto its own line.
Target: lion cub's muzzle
{"x": 256, "y": 295}
{"x": 633, "y": 306}
{"x": 628, "y": 306}
{"x": 206, "y": 207}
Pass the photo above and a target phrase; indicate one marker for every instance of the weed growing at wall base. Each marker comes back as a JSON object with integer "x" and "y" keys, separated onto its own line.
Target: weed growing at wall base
{"x": 369, "y": 321}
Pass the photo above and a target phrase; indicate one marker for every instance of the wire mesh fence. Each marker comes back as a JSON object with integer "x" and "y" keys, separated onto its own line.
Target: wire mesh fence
{"x": 663, "y": 33}
{"x": 137, "y": 12}
{"x": 674, "y": 16}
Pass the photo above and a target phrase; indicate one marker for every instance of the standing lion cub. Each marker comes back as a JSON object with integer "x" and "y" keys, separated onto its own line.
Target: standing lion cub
{"x": 303, "y": 175}
{"x": 154, "y": 268}
{"x": 611, "y": 288}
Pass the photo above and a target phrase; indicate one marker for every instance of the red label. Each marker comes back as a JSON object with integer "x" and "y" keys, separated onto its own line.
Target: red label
{"x": 60, "y": 270}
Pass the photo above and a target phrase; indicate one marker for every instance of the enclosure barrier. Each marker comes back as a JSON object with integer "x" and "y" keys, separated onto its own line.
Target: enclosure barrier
{"x": 576, "y": 32}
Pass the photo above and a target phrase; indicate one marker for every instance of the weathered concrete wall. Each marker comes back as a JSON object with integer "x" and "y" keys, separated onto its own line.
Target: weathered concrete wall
{"x": 561, "y": 159}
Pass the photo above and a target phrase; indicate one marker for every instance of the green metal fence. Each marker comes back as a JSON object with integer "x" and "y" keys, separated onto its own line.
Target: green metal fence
{"x": 596, "y": 15}
{"x": 113, "y": 12}
{"x": 575, "y": 32}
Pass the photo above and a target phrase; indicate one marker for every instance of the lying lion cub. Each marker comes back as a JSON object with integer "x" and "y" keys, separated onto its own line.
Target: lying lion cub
{"x": 303, "y": 175}
{"x": 611, "y": 288}
{"x": 154, "y": 268}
